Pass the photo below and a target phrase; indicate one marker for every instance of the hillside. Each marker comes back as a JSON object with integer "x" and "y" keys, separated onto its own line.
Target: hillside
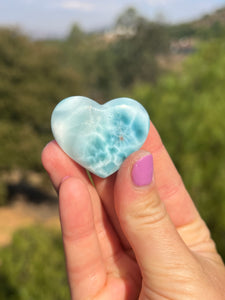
{"x": 207, "y": 27}
{"x": 217, "y": 17}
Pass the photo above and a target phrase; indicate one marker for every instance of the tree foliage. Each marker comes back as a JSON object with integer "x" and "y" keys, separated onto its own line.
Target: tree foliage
{"x": 32, "y": 81}
{"x": 33, "y": 267}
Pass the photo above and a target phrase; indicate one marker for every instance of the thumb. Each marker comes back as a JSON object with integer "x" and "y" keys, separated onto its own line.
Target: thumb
{"x": 159, "y": 250}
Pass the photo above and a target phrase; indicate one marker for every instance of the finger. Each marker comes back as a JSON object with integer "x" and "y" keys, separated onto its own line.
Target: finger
{"x": 169, "y": 184}
{"x": 85, "y": 265}
{"x": 105, "y": 188}
{"x": 146, "y": 224}
{"x": 59, "y": 165}
{"x": 179, "y": 205}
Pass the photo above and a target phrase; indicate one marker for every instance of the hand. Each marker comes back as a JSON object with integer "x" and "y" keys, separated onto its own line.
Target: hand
{"x": 130, "y": 237}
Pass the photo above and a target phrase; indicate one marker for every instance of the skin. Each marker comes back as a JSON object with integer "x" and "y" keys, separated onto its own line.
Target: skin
{"x": 127, "y": 242}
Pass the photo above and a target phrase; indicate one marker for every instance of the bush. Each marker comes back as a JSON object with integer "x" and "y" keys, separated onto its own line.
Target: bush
{"x": 32, "y": 267}
{"x": 3, "y": 193}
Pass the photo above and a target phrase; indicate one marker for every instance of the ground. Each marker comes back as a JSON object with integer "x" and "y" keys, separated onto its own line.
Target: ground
{"x": 20, "y": 214}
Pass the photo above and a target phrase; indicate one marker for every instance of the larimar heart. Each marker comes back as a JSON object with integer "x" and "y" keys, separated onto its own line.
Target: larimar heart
{"x": 100, "y": 137}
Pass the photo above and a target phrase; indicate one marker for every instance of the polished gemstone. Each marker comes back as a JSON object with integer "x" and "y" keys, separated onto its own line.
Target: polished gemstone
{"x": 99, "y": 137}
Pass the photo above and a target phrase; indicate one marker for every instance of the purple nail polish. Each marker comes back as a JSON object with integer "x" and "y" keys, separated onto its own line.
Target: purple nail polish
{"x": 142, "y": 171}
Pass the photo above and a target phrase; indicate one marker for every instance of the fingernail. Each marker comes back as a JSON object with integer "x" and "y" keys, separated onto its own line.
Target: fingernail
{"x": 64, "y": 178}
{"x": 142, "y": 171}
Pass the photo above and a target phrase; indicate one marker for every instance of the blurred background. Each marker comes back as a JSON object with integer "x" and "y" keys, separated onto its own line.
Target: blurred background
{"x": 167, "y": 54}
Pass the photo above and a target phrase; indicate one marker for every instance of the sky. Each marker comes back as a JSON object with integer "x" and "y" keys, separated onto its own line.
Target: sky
{"x": 54, "y": 18}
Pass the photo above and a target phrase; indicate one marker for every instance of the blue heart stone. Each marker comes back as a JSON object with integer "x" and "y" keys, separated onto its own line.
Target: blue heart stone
{"x": 100, "y": 137}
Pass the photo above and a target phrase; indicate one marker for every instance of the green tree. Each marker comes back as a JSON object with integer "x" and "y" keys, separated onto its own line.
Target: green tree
{"x": 76, "y": 35}
{"x": 136, "y": 53}
{"x": 32, "y": 81}
{"x": 32, "y": 267}
{"x": 129, "y": 19}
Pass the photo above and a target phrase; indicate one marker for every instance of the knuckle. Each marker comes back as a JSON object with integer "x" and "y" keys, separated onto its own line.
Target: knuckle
{"x": 148, "y": 211}
{"x": 170, "y": 189}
